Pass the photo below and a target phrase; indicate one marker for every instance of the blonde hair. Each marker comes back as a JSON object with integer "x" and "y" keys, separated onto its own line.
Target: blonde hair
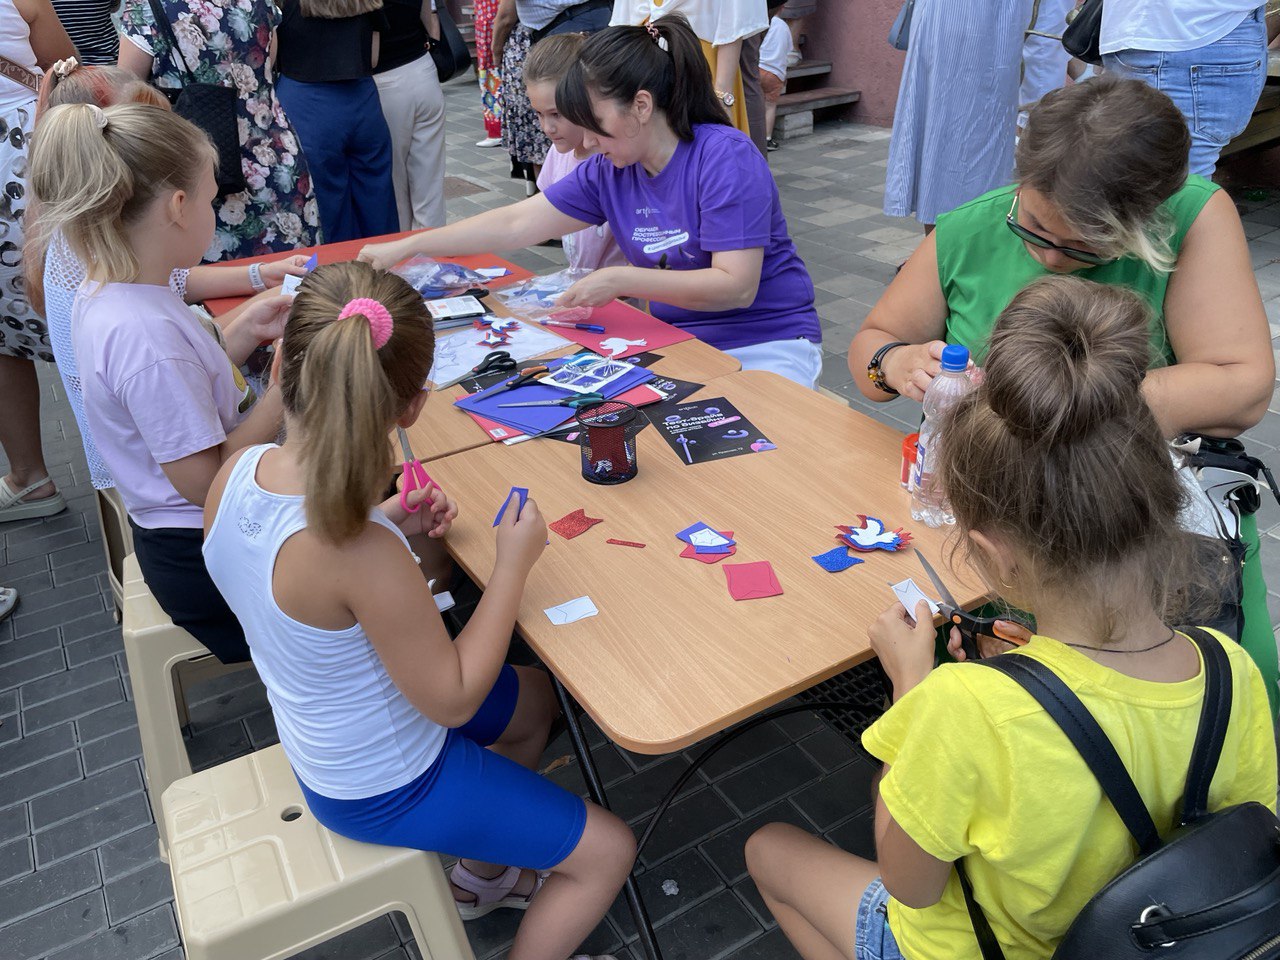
{"x": 550, "y": 58}
{"x": 102, "y": 86}
{"x": 344, "y": 394}
{"x": 95, "y": 172}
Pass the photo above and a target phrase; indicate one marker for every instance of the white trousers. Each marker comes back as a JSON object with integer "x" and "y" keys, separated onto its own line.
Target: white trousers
{"x": 413, "y": 104}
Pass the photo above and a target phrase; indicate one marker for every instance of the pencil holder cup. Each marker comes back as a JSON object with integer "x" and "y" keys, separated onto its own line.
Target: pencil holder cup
{"x": 607, "y": 438}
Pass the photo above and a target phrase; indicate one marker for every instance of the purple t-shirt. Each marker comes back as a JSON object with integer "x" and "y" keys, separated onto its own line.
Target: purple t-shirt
{"x": 715, "y": 193}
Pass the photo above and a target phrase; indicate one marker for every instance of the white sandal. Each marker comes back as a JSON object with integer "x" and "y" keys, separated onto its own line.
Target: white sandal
{"x": 491, "y": 894}
{"x": 13, "y": 507}
{"x": 8, "y": 600}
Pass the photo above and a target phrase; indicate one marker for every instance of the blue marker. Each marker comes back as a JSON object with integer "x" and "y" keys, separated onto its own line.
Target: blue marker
{"x": 589, "y": 327}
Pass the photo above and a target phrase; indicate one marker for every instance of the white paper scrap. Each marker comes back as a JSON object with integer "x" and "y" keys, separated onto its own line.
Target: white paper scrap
{"x": 571, "y": 612}
{"x": 670, "y": 888}
{"x": 289, "y": 287}
{"x": 910, "y": 596}
{"x": 708, "y": 538}
{"x": 493, "y": 273}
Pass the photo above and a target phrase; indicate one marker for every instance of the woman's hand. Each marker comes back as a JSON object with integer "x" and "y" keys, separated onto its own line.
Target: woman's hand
{"x": 910, "y": 369}
{"x": 384, "y": 256}
{"x": 435, "y": 517}
{"x": 905, "y": 649}
{"x": 265, "y": 315}
{"x": 594, "y": 290}
{"x": 274, "y": 272}
{"x": 522, "y": 536}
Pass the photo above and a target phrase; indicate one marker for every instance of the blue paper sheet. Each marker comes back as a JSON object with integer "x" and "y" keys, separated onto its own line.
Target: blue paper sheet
{"x": 833, "y": 561}
{"x": 523, "y": 494}
{"x": 537, "y": 419}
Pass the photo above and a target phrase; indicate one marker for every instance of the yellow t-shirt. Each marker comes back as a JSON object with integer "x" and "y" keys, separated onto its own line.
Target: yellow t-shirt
{"x": 976, "y": 766}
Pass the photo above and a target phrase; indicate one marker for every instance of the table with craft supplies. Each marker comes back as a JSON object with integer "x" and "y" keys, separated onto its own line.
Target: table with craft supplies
{"x": 671, "y": 658}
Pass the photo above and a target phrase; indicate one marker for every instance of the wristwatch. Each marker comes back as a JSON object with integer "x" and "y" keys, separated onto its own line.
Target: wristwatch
{"x": 728, "y": 99}
{"x": 876, "y": 374}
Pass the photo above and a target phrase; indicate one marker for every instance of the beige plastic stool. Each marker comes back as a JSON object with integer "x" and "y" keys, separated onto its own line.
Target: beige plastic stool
{"x": 117, "y": 540}
{"x": 155, "y": 650}
{"x": 256, "y": 877}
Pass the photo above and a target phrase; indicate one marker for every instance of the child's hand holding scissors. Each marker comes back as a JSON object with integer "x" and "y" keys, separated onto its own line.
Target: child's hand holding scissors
{"x": 434, "y": 521}
{"x": 904, "y": 642}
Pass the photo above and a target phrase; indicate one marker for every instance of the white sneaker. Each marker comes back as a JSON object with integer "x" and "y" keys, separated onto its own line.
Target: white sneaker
{"x": 490, "y": 142}
{"x": 793, "y": 58}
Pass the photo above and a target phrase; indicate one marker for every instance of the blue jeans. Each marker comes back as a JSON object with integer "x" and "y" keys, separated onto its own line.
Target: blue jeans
{"x": 872, "y": 938}
{"x": 1216, "y": 86}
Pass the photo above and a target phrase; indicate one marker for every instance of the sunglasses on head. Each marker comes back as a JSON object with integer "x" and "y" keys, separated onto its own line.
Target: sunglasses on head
{"x": 1028, "y": 236}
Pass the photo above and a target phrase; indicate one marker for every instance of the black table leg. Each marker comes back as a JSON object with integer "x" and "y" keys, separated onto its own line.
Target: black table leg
{"x": 596, "y": 791}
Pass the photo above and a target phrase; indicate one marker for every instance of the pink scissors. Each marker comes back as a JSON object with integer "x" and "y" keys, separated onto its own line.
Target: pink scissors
{"x": 415, "y": 475}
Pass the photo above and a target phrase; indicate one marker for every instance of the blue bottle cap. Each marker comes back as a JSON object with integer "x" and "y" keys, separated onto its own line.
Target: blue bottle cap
{"x": 955, "y": 358}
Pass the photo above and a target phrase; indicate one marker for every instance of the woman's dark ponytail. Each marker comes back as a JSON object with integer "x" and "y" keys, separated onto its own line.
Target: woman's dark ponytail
{"x": 663, "y": 57}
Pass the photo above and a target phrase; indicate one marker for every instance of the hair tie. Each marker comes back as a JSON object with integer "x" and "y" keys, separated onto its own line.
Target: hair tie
{"x": 64, "y": 68}
{"x": 99, "y": 115}
{"x": 379, "y": 317}
{"x": 658, "y": 38}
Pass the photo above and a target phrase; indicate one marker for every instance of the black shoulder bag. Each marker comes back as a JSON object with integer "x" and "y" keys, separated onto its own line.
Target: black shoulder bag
{"x": 210, "y": 106}
{"x": 449, "y": 52}
{"x": 1211, "y": 889}
{"x": 1084, "y": 32}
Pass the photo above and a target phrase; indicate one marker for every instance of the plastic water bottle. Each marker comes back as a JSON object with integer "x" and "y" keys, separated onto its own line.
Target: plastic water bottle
{"x": 928, "y": 503}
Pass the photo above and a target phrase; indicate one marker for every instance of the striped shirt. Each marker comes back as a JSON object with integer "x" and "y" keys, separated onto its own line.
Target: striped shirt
{"x": 88, "y": 23}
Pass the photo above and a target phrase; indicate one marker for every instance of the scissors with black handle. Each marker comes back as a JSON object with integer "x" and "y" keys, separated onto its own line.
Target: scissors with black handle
{"x": 970, "y": 625}
{"x": 499, "y": 361}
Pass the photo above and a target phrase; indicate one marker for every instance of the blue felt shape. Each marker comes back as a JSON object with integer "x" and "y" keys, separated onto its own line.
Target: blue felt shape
{"x": 522, "y": 493}
{"x": 836, "y": 559}
{"x": 311, "y": 264}
{"x": 687, "y": 536}
{"x": 722, "y": 548}
{"x": 538, "y": 419}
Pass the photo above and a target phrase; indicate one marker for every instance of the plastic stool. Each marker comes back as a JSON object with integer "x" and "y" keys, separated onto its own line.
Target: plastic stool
{"x": 154, "y": 648}
{"x": 256, "y": 877}
{"x": 117, "y": 540}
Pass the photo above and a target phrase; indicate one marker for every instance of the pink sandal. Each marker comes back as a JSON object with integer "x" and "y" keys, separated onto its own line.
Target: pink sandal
{"x": 492, "y": 894}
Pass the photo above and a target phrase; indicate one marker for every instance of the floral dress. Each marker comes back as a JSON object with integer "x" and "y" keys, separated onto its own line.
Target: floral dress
{"x": 226, "y": 42}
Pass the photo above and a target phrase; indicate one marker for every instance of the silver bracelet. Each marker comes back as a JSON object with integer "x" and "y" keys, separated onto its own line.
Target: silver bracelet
{"x": 255, "y": 277}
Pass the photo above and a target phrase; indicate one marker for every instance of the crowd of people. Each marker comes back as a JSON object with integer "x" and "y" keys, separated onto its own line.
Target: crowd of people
{"x": 1084, "y": 256}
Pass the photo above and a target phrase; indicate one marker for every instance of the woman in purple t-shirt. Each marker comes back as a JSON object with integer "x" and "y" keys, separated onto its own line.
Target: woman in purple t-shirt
{"x": 690, "y": 201}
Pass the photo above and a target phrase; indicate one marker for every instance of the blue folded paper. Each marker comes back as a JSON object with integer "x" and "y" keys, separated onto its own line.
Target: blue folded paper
{"x": 537, "y": 419}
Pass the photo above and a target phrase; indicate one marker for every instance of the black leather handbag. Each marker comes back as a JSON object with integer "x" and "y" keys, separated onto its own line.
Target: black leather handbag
{"x": 449, "y": 52}
{"x": 211, "y": 107}
{"x": 1210, "y": 889}
{"x": 1084, "y": 33}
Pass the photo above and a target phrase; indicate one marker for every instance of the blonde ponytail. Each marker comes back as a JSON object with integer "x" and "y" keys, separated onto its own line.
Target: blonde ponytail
{"x": 345, "y": 393}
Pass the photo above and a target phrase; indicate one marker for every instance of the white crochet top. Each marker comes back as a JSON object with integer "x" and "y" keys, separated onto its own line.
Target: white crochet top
{"x": 63, "y": 274}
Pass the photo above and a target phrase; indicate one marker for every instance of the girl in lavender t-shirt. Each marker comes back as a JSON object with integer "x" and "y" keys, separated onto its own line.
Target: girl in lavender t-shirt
{"x": 690, "y": 200}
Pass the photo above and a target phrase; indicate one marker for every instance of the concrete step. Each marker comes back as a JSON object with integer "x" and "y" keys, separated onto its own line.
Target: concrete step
{"x": 809, "y": 68}
{"x": 810, "y": 100}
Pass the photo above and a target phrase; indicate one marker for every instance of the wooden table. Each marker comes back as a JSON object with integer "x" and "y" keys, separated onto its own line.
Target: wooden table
{"x": 672, "y": 658}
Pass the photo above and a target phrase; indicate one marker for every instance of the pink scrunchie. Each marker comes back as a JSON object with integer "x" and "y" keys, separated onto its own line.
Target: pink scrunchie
{"x": 379, "y": 317}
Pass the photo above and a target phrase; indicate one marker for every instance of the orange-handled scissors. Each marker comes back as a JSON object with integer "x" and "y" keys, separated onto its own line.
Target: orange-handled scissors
{"x": 970, "y": 625}
{"x": 415, "y": 475}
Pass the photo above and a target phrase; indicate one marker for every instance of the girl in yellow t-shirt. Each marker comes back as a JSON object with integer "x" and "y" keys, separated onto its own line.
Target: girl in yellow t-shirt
{"x": 1065, "y": 495}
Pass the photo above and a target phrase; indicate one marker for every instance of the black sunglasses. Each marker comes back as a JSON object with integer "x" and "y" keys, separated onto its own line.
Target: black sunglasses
{"x": 1022, "y": 233}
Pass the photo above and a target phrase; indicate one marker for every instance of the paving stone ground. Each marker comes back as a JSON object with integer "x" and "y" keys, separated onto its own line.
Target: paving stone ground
{"x": 79, "y": 874}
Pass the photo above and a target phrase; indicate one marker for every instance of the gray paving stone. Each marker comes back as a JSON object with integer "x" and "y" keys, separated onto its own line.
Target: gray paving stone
{"x": 72, "y": 801}
{"x": 686, "y": 822}
{"x": 694, "y": 879}
{"x": 365, "y": 942}
{"x": 206, "y": 748}
{"x": 108, "y": 643}
{"x": 16, "y": 859}
{"x": 132, "y": 851}
{"x": 111, "y": 751}
{"x": 639, "y": 795}
{"x": 62, "y": 926}
{"x": 857, "y": 834}
{"x": 44, "y": 663}
{"x": 774, "y": 945}
{"x": 48, "y": 886}
{"x": 59, "y": 559}
{"x": 747, "y": 748}
{"x": 68, "y": 682}
{"x": 41, "y": 778}
{"x": 56, "y": 616}
{"x": 103, "y": 822}
{"x": 725, "y": 849}
{"x": 39, "y": 547}
{"x": 838, "y": 794}
{"x": 769, "y": 780}
{"x": 74, "y": 706}
{"x": 710, "y": 930}
{"x": 746, "y": 891}
{"x": 828, "y": 749}
{"x": 262, "y": 730}
{"x": 37, "y": 748}
{"x": 139, "y": 938}
{"x": 138, "y": 892}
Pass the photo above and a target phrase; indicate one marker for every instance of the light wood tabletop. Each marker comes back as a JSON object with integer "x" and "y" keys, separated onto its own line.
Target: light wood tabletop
{"x": 672, "y": 658}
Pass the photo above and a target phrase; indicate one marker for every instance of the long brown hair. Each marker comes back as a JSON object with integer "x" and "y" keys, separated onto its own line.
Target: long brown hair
{"x": 1107, "y": 153}
{"x": 1058, "y": 455}
{"x": 344, "y": 394}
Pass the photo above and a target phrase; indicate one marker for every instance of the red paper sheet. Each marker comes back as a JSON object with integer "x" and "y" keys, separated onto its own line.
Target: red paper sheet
{"x": 574, "y": 524}
{"x": 690, "y": 552}
{"x": 623, "y": 322}
{"x": 752, "y": 581}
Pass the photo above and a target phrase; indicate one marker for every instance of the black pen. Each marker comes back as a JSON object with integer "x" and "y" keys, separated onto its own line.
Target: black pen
{"x": 662, "y": 262}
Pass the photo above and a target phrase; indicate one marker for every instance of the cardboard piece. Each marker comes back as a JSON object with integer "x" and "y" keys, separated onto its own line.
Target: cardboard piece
{"x": 752, "y": 581}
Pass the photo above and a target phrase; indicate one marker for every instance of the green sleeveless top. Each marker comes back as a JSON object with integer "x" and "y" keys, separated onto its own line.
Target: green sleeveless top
{"x": 982, "y": 265}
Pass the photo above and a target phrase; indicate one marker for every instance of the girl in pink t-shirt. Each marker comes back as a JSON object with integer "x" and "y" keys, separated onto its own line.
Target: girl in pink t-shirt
{"x": 548, "y": 62}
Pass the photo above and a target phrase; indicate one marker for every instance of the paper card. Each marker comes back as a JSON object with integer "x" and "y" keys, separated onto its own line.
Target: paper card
{"x": 701, "y": 535}
{"x": 522, "y": 493}
{"x": 836, "y": 559}
{"x": 572, "y": 611}
{"x": 452, "y": 307}
{"x": 910, "y": 595}
{"x": 492, "y": 273}
{"x": 688, "y": 428}
{"x": 289, "y": 286}
{"x": 690, "y": 552}
{"x": 574, "y": 524}
{"x": 752, "y": 581}
{"x": 627, "y": 331}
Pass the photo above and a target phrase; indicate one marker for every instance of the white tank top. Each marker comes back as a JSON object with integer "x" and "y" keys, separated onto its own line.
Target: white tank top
{"x": 15, "y": 44}
{"x": 345, "y": 727}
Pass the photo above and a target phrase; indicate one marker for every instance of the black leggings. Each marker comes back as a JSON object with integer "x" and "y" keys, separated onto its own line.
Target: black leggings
{"x": 174, "y": 569}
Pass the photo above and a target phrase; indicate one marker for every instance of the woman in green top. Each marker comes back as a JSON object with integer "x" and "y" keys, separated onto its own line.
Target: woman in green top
{"x": 1103, "y": 193}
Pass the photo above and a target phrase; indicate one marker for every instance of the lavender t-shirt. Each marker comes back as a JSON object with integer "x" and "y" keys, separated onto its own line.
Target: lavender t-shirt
{"x": 157, "y": 388}
{"x": 715, "y": 193}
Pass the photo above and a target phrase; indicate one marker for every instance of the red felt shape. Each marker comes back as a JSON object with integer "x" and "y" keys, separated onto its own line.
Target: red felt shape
{"x": 625, "y": 543}
{"x": 690, "y": 552}
{"x": 624, "y": 322}
{"x": 752, "y": 581}
{"x": 574, "y": 524}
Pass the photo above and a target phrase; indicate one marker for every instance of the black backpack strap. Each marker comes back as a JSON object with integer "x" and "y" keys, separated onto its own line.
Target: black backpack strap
{"x": 1211, "y": 734}
{"x": 987, "y": 942}
{"x": 1088, "y": 738}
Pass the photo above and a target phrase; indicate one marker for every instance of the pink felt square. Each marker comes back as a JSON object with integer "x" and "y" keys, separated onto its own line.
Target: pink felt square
{"x": 690, "y": 552}
{"x": 752, "y": 581}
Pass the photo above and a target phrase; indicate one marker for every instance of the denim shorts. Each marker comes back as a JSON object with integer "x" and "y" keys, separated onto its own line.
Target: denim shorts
{"x": 1215, "y": 86}
{"x": 872, "y": 938}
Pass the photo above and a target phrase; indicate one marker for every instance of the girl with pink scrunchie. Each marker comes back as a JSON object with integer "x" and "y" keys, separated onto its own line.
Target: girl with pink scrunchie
{"x": 398, "y": 734}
